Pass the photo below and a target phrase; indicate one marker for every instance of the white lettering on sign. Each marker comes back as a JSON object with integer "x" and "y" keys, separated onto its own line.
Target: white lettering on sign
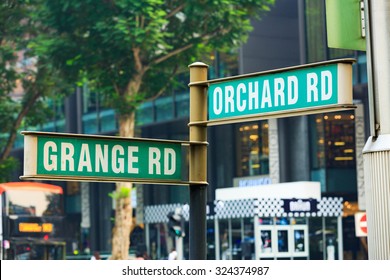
{"x": 169, "y": 160}
{"x": 271, "y": 93}
{"x": 85, "y": 159}
{"x": 312, "y": 86}
{"x": 266, "y": 95}
{"x": 67, "y": 151}
{"x": 154, "y": 161}
{"x": 229, "y": 101}
{"x": 312, "y": 89}
{"x": 279, "y": 92}
{"x": 132, "y": 159}
{"x": 292, "y": 90}
{"x": 253, "y": 96}
{"x": 241, "y": 104}
{"x": 218, "y": 98}
{"x": 103, "y": 158}
{"x": 118, "y": 162}
{"x": 50, "y": 161}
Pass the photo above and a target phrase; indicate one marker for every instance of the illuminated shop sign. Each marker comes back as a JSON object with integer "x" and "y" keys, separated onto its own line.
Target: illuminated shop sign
{"x": 300, "y": 205}
{"x": 35, "y": 227}
{"x": 251, "y": 181}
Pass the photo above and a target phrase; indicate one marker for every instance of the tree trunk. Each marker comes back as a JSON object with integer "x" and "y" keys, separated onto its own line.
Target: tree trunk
{"x": 123, "y": 208}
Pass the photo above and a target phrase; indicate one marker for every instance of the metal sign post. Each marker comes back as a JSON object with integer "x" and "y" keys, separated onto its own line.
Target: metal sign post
{"x": 198, "y": 161}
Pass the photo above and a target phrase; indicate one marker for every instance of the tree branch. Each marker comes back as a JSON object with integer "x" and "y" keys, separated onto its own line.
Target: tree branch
{"x": 137, "y": 59}
{"x": 116, "y": 87}
{"x": 170, "y": 54}
{"x": 175, "y": 11}
{"x": 162, "y": 90}
{"x": 12, "y": 136}
{"x": 134, "y": 83}
{"x": 202, "y": 38}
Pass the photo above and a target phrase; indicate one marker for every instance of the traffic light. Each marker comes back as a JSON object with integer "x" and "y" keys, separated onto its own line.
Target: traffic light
{"x": 176, "y": 224}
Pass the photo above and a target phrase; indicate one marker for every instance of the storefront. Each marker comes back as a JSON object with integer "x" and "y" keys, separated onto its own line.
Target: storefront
{"x": 280, "y": 221}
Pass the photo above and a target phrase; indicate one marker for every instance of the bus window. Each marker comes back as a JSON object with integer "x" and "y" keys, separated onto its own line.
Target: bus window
{"x": 32, "y": 201}
{"x": 32, "y": 221}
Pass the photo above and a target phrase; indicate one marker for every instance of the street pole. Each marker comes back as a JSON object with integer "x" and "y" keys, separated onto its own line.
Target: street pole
{"x": 198, "y": 161}
{"x": 376, "y": 152}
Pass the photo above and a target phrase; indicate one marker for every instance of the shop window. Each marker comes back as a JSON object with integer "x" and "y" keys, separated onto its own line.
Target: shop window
{"x": 283, "y": 245}
{"x": 335, "y": 143}
{"x": 333, "y": 151}
{"x": 266, "y": 241}
{"x": 253, "y": 149}
{"x": 248, "y": 240}
{"x": 224, "y": 239}
{"x": 299, "y": 240}
{"x": 210, "y": 239}
{"x": 282, "y": 238}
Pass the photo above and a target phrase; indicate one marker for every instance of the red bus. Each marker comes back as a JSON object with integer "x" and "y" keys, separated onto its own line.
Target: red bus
{"x": 31, "y": 221}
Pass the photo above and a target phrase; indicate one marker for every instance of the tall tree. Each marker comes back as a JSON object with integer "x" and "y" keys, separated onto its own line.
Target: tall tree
{"x": 130, "y": 50}
{"x": 25, "y": 81}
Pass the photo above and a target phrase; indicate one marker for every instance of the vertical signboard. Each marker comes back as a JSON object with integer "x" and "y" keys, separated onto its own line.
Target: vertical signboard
{"x": 345, "y": 24}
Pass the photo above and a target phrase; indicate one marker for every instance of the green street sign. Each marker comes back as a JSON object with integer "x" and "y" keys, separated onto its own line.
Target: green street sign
{"x": 345, "y": 24}
{"x": 305, "y": 89}
{"x": 59, "y": 156}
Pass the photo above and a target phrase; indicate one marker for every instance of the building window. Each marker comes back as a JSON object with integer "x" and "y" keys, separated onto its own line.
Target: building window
{"x": 316, "y": 39}
{"x": 253, "y": 149}
{"x": 223, "y": 64}
{"x": 341, "y": 144}
{"x": 315, "y": 30}
{"x": 90, "y": 110}
{"x": 164, "y": 108}
{"x": 97, "y": 117}
{"x": 333, "y": 151}
{"x": 333, "y": 141}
